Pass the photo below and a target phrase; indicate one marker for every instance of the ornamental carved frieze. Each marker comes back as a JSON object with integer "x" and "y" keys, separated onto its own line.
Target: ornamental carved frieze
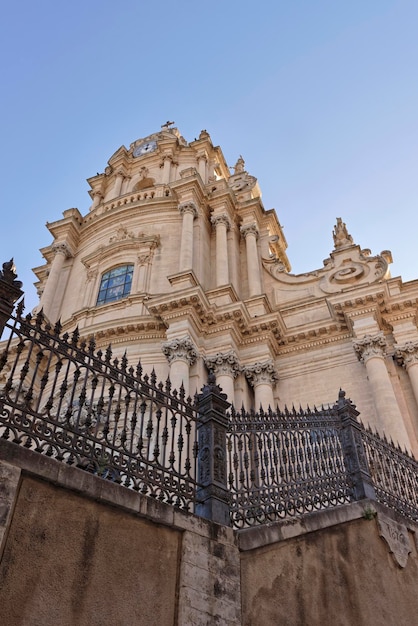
{"x": 180, "y": 350}
{"x": 370, "y": 346}
{"x": 188, "y": 207}
{"x": 260, "y": 373}
{"x": 249, "y": 229}
{"x": 395, "y": 534}
{"x": 62, "y": 247}
{"x": 407, "y": 354}
{"x": 220, "y": 219}
{"x": 223, "y": 364}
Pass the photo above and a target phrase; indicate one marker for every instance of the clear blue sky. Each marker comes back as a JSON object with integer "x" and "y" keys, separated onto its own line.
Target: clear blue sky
{"x": 319, "y": 96}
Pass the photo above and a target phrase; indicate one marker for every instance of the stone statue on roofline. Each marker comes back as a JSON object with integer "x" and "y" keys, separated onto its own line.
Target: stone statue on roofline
{"x": 340, "y": 234}
{"x": 239, "y": 166}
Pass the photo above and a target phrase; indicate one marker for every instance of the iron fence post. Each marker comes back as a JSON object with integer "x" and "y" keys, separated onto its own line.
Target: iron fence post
{"x": 10, "y": 292}
{"x": 212, "y": 497}
{"x": 353, "y": 449}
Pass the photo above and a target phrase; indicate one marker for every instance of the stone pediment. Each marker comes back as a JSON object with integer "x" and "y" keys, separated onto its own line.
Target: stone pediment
{"x": 346, "y": 267}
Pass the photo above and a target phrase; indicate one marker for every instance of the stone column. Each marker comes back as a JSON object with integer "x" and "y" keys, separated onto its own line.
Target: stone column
{"x": 370, "y": 350}
{"x": 250, "y": 234}
{"x": 166, "y": 160}
{"x": 97, "y": 198}
{"x": 201, "y": 164}
{"x": 225, "y": 366}
{"x": 181, "y": 354}
{"x": 221, "y": 224}
{"x": 263, "y": 377}
{"x": 189, "y": 212}
{"x": 407, "y": 355}
{"x": 118, "y": 183}
{"x": 62, "y": 252}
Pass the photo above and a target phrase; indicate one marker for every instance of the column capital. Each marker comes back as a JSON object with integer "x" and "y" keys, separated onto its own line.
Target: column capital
{"x": 223, "y": 364}
{"x": 407, "y": 354}
{"x": 221, "y": 219}
{"x": 261, "y": 372}
{"x": 182, "y": 349}
{"x": 62, "y": 247}
{"x": 370, "y": 346}
{"x": 249, "y": 229}
{"x": 188, "y": 207}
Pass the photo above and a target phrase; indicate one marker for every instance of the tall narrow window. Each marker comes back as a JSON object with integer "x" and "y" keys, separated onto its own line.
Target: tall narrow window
{"x": 115, "y": 284}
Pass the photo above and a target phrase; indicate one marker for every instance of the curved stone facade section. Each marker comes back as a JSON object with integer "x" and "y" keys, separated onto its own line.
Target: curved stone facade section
{"x": 180, "y": 350}
{"x": 370, "y": 346}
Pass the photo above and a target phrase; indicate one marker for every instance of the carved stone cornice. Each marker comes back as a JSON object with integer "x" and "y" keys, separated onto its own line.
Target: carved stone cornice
{"x": 220, "y": 219}
{"x": 407, "y": 354}
{"x": 188, "y": 207}
{"x": 370, "y": 346}
{"x": 249, "y": 229}
{"x": 261, "y": 372}
{"x": 223, "y": 363}
{"x": 182, "y": 349}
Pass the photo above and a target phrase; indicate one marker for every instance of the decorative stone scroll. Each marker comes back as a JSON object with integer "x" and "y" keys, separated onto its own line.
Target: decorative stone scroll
{"x": 188, "y": 207}
{"x": 249, "y": 229}
{"x": 180, "y": 350}
{"x": 223, "y": 364}
{"x": 220, "y": 219}
{"x": 396, "y": 537}
{"x": 62, "y": 247}
{"x": 370, "y": 346}
{"x": 259, "y": 373}
{"x": 407, "y": 354}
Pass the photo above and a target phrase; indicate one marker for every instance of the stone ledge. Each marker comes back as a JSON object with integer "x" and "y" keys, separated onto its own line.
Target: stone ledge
{"x": 107, "y": 492}
{"x": 267, "y": 534}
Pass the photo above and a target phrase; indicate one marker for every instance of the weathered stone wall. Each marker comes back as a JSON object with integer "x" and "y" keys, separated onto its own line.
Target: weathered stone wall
{"x": 78, "y": 550}
{"x": 69, "y": 560}
{"x": 341, "y": 574}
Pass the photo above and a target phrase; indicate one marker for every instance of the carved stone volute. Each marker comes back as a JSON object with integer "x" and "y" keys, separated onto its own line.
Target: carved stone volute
{"x": 370, "y": 346}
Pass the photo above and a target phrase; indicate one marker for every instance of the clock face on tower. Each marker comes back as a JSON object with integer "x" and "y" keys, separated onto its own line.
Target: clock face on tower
{"x": 145, "y": 148}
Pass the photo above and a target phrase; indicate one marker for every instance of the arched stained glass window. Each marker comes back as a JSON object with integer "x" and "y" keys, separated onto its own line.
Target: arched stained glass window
{"x": 115, "y": 284}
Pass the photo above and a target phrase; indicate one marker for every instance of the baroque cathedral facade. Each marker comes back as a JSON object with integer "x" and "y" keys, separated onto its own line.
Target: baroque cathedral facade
{"x": 178, "y": 264}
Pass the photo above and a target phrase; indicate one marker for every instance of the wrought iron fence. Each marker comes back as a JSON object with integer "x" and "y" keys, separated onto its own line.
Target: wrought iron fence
{"x": 285, "y": 464}
{"x": 62, "y": 397}
{"x": 394, "y": 474}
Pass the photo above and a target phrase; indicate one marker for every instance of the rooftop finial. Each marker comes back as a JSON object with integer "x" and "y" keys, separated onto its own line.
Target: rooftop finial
{"x": 167, "y": 125}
